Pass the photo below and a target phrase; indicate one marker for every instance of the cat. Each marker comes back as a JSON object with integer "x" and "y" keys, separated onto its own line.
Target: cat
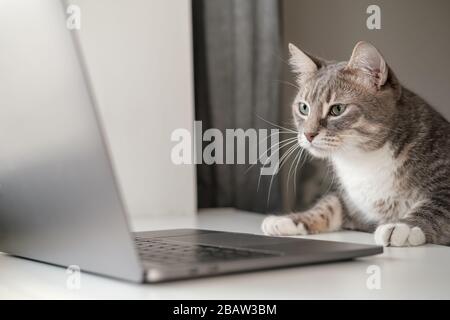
{"x": 389, "y": 149}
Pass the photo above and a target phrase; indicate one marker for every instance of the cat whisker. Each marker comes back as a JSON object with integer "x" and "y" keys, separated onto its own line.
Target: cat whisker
{"x": 273, "y": 175}
{"x": 281, "y": 145}
{"x": 268, "y": 159}
{"x": 288, "y": 83}
{"x": 276, "y": 125}
{"x": 278, "y": 132}
{"x": 288, "y": 153}
{"x": 298, "y": 155}
{"x": 296, "y": 167}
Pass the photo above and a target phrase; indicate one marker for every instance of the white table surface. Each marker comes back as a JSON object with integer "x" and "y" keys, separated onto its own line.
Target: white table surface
{"x": 406, "y": 273}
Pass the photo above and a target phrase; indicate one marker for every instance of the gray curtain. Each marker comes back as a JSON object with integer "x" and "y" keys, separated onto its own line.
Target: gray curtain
{"x": 237, "y": 65}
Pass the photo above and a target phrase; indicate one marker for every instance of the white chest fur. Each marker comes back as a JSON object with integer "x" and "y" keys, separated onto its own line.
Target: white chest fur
{"x": 370, "y": 183}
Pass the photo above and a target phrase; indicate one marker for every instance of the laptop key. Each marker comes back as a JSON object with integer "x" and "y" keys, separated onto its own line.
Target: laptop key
{"x": 159, "y": 250}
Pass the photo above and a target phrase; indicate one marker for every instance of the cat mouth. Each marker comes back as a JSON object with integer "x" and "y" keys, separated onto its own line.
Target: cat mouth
{"x": 319, "y": 151}
{"x": 313, "y": 146}
{"x": 318, "y": 147}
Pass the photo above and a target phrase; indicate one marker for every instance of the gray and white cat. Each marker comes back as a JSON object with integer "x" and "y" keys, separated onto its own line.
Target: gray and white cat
{"x": 388, "y": 147}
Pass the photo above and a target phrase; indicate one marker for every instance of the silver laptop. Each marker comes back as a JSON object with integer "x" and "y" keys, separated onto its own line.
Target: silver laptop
{"x": 59, "y": 200}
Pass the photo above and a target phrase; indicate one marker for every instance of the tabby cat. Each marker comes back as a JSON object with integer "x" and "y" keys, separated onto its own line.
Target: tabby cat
{"x": 389, "y": 149}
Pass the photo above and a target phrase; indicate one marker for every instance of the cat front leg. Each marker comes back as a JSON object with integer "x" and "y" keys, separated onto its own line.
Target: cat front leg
{"x": 428, "y": 222}
{"x": 399, "y": 235}
{"x": 325, "y": 216}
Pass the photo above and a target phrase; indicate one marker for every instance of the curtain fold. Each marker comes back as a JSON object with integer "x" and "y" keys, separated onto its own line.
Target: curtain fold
{"x": 237, "y": 67}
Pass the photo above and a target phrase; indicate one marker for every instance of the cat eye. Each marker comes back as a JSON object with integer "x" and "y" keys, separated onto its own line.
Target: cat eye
{"x": 337, "y": 109}
{"x": 303, "y": 108}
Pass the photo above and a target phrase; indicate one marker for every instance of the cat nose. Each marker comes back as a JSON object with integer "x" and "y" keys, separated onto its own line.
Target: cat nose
{"x": 310, "y": 135}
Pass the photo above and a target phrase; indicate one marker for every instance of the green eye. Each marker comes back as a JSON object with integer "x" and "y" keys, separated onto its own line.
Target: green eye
{"x": 337, "y": 110}
{"x": 303, "y": 108}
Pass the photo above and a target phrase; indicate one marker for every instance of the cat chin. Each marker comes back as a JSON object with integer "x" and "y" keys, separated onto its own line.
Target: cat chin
{"x": 318, "y": 153}
{"x": 315, "y": 151}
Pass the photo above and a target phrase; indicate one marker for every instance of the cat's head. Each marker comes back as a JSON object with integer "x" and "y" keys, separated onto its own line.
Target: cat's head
{"x": 342, "y": 107}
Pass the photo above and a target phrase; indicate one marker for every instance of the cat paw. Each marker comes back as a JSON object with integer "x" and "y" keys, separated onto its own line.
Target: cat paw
{"x": 399, "y": 235}
{"x": 282, "y": 226}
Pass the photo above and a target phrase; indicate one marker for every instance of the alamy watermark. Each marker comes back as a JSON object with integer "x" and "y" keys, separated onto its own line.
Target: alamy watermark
{"x": 236, "y": 146}
{"x": 73, "y": 21}
{"x": 373, "y": 281}
{"x": 373, "y": 22}
{"x": 73, "y": 281}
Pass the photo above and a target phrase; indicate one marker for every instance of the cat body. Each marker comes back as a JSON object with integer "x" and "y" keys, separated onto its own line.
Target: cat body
{"x": 389, "y": 150}
{"x": 371, "y": 188}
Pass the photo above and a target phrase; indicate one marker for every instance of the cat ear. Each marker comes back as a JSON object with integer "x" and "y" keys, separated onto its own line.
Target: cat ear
{"x": 300, "y": 62}
{"x": 367, "y": 58}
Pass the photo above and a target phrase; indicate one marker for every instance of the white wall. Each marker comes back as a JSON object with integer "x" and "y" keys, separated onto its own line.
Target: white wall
{"x": 138, "y": 55}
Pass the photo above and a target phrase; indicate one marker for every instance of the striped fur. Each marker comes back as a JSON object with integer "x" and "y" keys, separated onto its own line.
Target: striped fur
{"x": 389, "y": 149}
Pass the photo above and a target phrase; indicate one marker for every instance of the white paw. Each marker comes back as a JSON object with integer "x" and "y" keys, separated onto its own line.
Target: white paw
{"x": 399, "y": 235}
{"x": 282, "y": 226}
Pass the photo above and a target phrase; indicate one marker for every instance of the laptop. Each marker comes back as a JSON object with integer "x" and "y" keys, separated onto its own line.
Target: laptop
{"x": 60, "y": 202}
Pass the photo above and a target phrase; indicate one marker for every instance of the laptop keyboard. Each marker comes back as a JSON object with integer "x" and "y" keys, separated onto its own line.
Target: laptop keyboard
{"x": 168, "y": 252}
